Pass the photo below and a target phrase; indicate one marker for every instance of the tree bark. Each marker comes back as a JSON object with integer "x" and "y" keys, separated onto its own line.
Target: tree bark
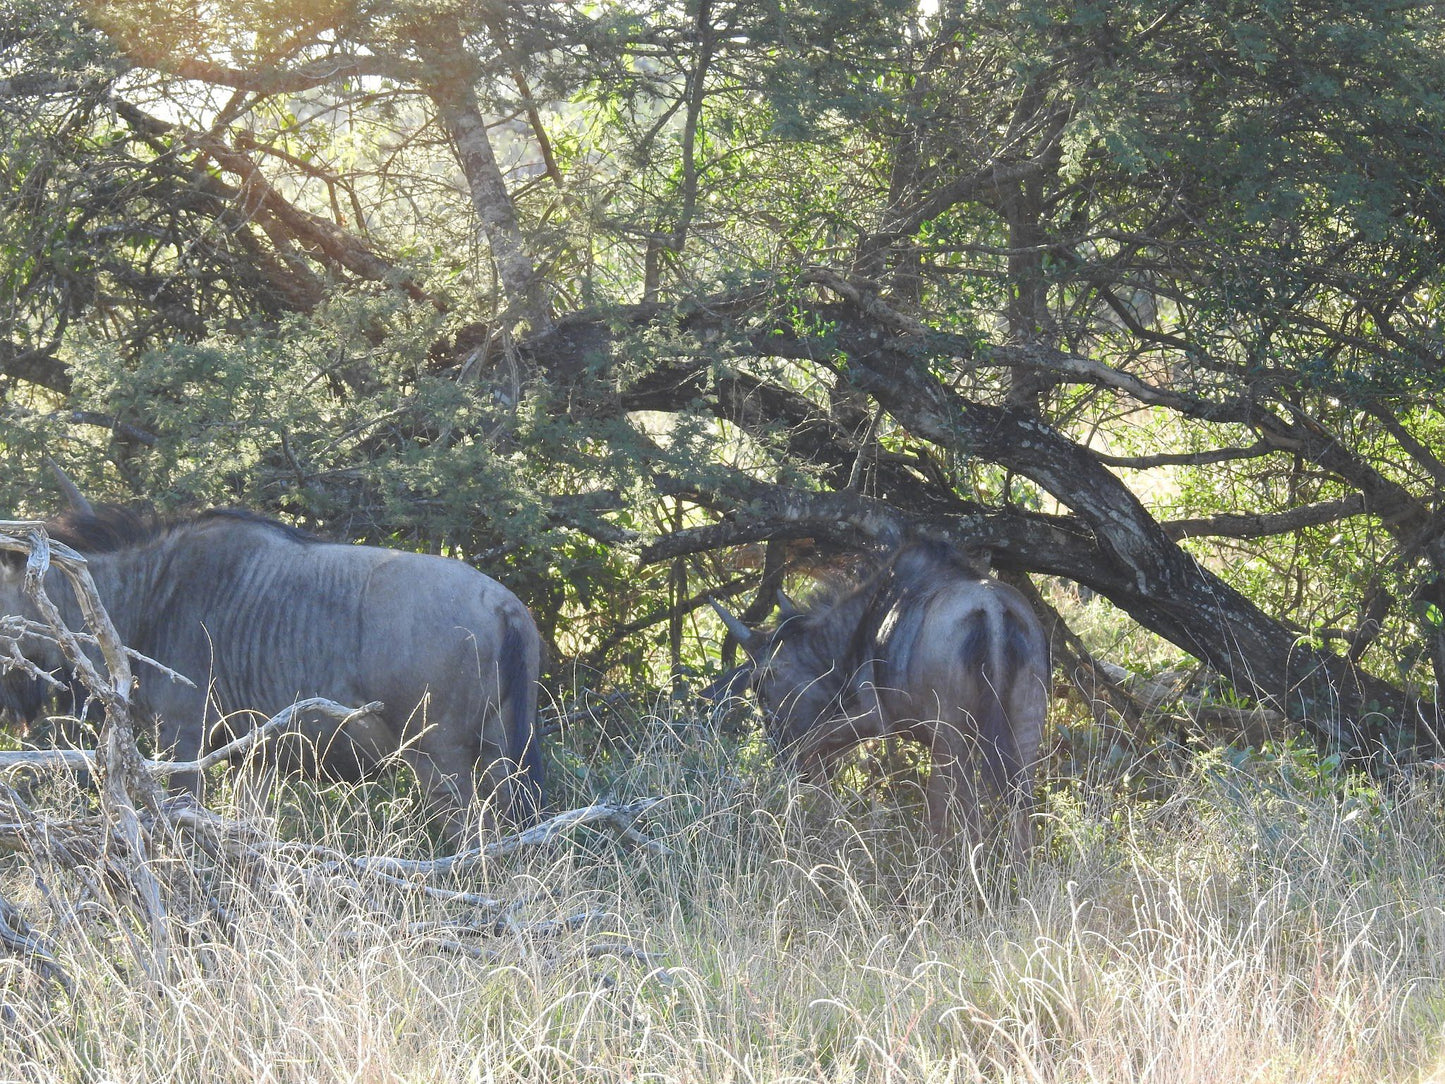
{"x": 460, "y": 115}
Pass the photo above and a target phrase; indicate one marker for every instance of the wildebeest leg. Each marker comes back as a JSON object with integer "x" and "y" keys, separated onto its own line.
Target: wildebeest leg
{"x": 951, "y": 796}
{"x": 185, "y": 717}
{"x": 354, "y": 748}
{"x": 448, "y": 797}
{"x": 498, "y": 786}
{"x": 1020, "y": 801}
{"x": 1029, "y": 712}
{"x": 255, "y": 786}
{"x": 256, "y": 772}
{"x": 439, "y": 743}
{"x": 179, "y": 736}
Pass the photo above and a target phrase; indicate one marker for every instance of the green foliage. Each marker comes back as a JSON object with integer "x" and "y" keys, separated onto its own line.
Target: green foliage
{"x": 1235, "y": 203}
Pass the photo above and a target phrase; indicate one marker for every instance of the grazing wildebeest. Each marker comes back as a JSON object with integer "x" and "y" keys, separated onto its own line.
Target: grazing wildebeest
{"x": 923, "y": 648}
{"x": 259, "y": 615}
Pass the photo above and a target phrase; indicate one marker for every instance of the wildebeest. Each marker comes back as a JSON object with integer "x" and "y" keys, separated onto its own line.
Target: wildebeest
{"x": 258, "y": 615}
{"x": 921, "y": 647}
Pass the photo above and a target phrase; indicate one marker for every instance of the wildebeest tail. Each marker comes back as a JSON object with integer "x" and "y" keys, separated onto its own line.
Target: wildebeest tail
{"x": 516, "y": 674}
{"x": 996, "y": 639}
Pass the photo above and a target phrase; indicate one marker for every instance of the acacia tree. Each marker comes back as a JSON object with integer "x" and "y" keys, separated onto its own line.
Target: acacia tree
{"x": 845, "y": 272}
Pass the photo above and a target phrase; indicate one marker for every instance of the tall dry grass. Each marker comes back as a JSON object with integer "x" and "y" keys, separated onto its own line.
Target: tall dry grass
{"x": 1262, "y": 922}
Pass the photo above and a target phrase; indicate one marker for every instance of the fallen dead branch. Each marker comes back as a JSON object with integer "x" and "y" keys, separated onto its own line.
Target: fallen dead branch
{"x": 87, "y": 759}
{"x": 1171, "y": 692}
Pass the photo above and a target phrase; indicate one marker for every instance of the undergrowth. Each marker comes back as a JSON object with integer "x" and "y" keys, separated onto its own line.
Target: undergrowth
{"x": 1266, "y": 918}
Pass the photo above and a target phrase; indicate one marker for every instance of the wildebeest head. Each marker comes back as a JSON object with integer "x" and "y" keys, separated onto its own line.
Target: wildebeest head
{"x": 24, "y": 696}
{"x": 18, "y": 690}
{"x": 807, "y": 672}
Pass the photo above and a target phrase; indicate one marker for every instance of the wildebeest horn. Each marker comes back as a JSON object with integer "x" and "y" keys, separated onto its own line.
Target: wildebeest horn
{"x": 77, "y": 500}
{"x": 745, "y": 636}
{"x": 787, "y": 607}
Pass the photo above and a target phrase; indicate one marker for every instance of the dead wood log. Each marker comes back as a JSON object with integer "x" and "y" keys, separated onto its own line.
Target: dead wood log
{"x": 287, "y": 718}
{"x": 123, "y": 780}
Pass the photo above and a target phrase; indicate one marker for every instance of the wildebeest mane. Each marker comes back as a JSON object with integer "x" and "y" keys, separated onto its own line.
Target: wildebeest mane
{"x": 243, "y": 515}
{"x": 112, "y": 527}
